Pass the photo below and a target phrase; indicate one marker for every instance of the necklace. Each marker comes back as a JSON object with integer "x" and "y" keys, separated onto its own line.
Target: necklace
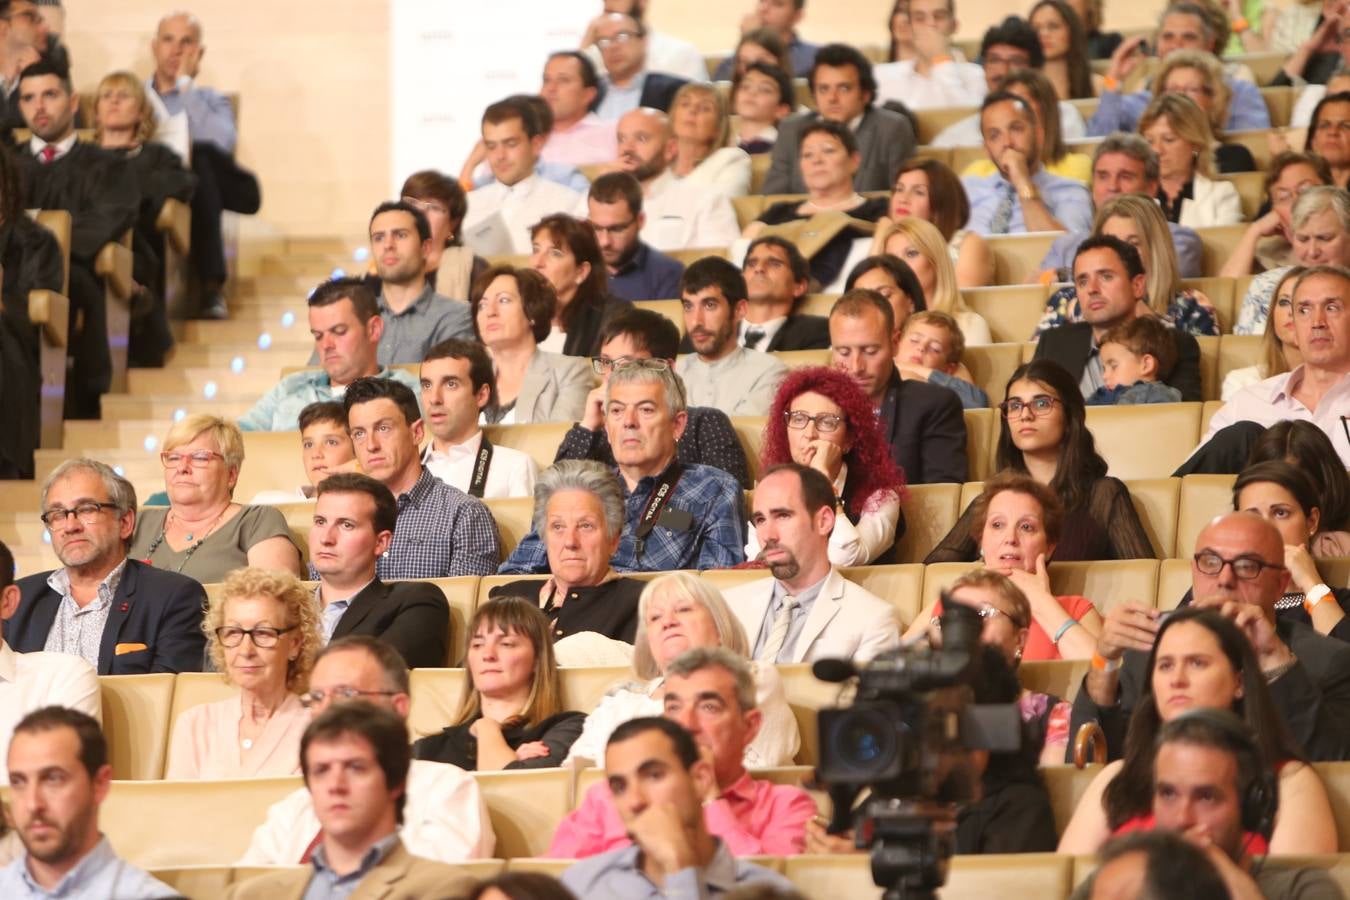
{"x": 846, "y": 203}
{"x": 155, "y": 544}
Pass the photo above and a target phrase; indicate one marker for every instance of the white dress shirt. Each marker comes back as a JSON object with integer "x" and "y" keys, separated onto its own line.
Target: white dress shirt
{"x": 35, "y": 144}
{"x": 681, "y": 215}
{"x": 30, "y": 681}
{"x": 742, "y": 383}
{"x": 521, "y": 205}
{"x": 511, "y": 473}
{"x": 952, "y": 83}
{"x": 445, "y": 820}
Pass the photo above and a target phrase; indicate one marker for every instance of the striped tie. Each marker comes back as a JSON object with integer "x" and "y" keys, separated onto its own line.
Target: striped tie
{"x": 1002, "y": 219}
{"x": 774, "y": 645}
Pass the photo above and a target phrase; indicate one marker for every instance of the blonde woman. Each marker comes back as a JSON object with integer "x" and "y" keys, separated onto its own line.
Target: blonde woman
{"x": 1199, "y": 76}
{"x": 678, "y": 612}
{"x": 921, "y": 246}
{"x": 1279, "y": 343}
{"x": 204, "y": 534}
{"x": 1178, "y": 131}
{"x": 1138, "y": 221}
{"x": 262, "y": 632}
{"x": 701, "y": 123}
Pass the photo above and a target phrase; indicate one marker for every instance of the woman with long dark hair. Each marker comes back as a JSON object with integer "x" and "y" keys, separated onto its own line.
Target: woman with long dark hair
{"x": 890, "y": 277}
{"x": 1202, "y": 660}
{"x": 1064, "y": 41}
{"x": 565, "y": 251}
{"x": 1307, "y": 448}
{"x": 820, "y": 418}
{"x": 1044, "y": 434}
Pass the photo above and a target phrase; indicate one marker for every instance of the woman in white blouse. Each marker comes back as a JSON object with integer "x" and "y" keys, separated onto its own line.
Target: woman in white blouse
{"x": 1279, "y": 343}
{"x": 702, "y": 126}
{"x": 678, "y": 612}
{"x": 821, "y": 419}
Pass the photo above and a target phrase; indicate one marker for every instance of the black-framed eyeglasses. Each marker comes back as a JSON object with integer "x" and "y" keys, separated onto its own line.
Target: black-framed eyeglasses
{"x": 1040, "y": 405}
{"x": 263, "y": 636}
{"x": 603, "y": 364}
{"x": 1247, "y": 568}
{"x": 826, "y": 423}
{"x": 317, "y": 696}
{"x": 87, "y": 513}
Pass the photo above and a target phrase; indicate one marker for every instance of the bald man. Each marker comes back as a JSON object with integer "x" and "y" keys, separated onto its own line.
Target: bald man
{"x": 1238, "y": 569}
{"x": 679, "y": 215}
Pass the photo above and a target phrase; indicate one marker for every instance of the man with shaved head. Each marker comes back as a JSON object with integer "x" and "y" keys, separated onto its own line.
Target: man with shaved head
{"x": 628, "y": 84}
{"x": 679, "y": 215}
{"x": 1238, "y": 569}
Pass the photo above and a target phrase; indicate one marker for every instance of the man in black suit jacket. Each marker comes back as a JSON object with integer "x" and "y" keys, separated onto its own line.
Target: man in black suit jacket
{"x": 147, "y": 620}
{"x": 623, "y": 46}
{"x": 843, "y": 87}
{"x": 923, "y": 423}
{"x": 1110, "y": 281}
{"x": 354, "y": 517}
{"x": 1308, "y": 672}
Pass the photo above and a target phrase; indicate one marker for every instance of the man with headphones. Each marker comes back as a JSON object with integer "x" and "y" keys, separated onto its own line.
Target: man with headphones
{"x": 1213, "y": 786}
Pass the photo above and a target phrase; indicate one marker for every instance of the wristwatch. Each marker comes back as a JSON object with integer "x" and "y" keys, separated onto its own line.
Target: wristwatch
{"x": 1028, "y": 193}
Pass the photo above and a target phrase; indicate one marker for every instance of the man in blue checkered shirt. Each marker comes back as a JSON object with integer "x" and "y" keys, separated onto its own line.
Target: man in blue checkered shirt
{"x": 441, "y": 531}
{"x": 700, "y": 523}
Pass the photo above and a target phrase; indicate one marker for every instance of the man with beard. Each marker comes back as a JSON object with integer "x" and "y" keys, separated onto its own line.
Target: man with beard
{"x": 806, "y": 611}
{"x": 679, "y": 214}
{"x": 721, "y": 373}
{"x": 58, "y": 777}
{"x": 416, "y": 318}
{"x": 636, "y": 270}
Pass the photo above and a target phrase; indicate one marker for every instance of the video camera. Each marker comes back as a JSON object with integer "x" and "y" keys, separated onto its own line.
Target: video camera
{"x": 906, "y": 737}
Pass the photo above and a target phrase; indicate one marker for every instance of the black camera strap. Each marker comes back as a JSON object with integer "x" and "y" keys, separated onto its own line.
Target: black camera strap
{"x": 661, "y": 494}
{"x": 481, "y": 463}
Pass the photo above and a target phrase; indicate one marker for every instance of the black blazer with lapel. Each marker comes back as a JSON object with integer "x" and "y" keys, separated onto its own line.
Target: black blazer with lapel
{"x": 658, "y": 90}
{"x": 1070, "y": 346}
{"x": 802, "y": 331}
{"x": 412, "y": 616}
{"x": 152, "y": 609}
{"x": 926, "y": 428}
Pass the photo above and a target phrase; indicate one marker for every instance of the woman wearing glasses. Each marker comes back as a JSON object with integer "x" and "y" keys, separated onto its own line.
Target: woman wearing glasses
{"x": 511, "y": 714}
{"x": 450, "y": 266}
{"x": 1018, "y": 522}
{"x": 262, "y": 631}
{"x": 821, "y": 419}
{"x": 1044, "y": 434}
{"x": 204, "y": 534}
{"x": 512, "y": 315}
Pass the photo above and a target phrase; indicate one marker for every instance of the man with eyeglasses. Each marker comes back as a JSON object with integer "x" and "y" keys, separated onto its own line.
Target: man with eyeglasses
{"x": 807, "y": 610}
{"x": 931, "y": 73}
{"x": 629, "y": 84}
{"x": 122, "y": 616}
{"x": 637, "y": 271}
{"x": 638, "y": 336}
{"x": 1238, "y": 569}
{"x": 445, "y": 817}
{"x": 1108, "y": 275}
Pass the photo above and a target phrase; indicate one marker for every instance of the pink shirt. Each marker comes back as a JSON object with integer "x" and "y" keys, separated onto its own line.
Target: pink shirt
{"x": 591, "y": 140}
{"x": 1272, "y": 400}
{"x": 753, "y": 818}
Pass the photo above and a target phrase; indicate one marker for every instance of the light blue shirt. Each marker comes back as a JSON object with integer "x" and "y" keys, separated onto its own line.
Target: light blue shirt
{"x": 617, "y": 875}
{"x": 1120, "y": 112}
{"x": 279, "y": 409}
{"x": 325, "y": 884}
{"x": 1067, "y": 200}
{"x": 620, "y": 100}
{"x": 99, "y": 876}
{"x": 210, "y": 115}
{"x": 334, "y": 611}
{"x": 558, "y": 173}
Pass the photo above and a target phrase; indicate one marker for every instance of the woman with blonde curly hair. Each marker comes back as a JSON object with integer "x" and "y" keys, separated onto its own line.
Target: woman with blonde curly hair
{"x": 921, "y": 246}
{"x": 1199, "y": 76}
{"x": 262, "y": 632}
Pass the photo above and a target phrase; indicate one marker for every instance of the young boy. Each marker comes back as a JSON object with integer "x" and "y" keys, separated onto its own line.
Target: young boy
{"x": 931, "y": 345}
{"x": 1136, "y": 356}
{"x": 325, "y": 449}
{"x": 760, "y": 98}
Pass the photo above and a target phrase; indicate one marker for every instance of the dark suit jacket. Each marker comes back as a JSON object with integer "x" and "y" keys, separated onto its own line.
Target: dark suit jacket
{"x": 885, "y": 140}
{"x": 926, "y": 428}
{"x": 155, "y": 621}
{"x": 1070, "y": 346}
{"x": 1313, "y": 697}
{"x": 412, "y": 616}
{"x": 658, "y": 90}
{"x": 801, "y": 332}
{"x": 583, "y": 338}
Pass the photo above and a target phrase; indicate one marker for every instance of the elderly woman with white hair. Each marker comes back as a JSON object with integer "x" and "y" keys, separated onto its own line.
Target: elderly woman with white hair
{"x": 204, "y": 534}
{"x": 1321, "y": 228}
{"x": 579, "y": 515}
{"x": 678, "y": 612}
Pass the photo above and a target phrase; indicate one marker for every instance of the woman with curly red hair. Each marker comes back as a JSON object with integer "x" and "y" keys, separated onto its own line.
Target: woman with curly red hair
{"x": 820, "y": 418}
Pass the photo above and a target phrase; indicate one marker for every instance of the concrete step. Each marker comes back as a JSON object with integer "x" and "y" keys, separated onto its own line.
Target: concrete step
{"x": 20, "y": 495}
{"x": 313, "y": 265}
{"x": 223, "y": 354}
{"x": 165, "y": 407}
{"x": 246, "y": 330}
{"x": 206, "y": 383}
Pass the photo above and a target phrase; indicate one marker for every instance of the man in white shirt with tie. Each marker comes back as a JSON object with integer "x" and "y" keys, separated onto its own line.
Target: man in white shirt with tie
{"x": 501, "y": 213}
{"x": 806, "y": 611}
{"x": 457, "y": 382}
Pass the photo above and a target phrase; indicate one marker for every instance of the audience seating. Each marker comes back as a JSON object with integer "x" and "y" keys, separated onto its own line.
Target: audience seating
{"x": 1013, "y": 310}
{"x": 930, "y": 512}
{"x": 1209, "y": 365}
{"x": 1145, "y": 441}
{"x": 1237, "y": 351}
{"x": 525, "y": 808}
{"x": 136, "y": 712}
{"x": 1217, "y": 243}
{"x": 1066, "y": 786}
{"x": 1105, "y": 582}
{"x": 1202, "y": 498}
{"x": 991, "y": 366}
{"x": 1017, "y": 258}
{"x": 514, "y": 520}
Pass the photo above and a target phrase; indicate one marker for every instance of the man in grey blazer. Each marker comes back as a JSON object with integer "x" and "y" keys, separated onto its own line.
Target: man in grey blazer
{"x": 843, "y": 87}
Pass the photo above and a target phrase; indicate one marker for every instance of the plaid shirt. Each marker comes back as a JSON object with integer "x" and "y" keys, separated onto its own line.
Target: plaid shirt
{"x": 441, "y": 532}
{"x": 715, "y": 540}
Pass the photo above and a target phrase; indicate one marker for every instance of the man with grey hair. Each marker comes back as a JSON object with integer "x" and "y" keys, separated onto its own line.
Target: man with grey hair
{"x": 1124, "y": 163}
{"x": 122, "y": 615}
{"x": 710, "y": 691}
{"x": 677, "y": 515}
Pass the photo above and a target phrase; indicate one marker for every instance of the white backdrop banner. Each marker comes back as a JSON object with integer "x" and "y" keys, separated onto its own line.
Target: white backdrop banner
{"x": 451, "y": 59}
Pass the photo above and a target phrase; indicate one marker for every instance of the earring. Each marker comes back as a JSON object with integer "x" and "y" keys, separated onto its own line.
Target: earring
{"x": 1018, "y": 655}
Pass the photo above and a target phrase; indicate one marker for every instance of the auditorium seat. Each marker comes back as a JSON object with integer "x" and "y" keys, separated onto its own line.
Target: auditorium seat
{"x": 1279, "y": 103}
{"x": 513, "y": 516}
{"x": 931, "y": 122}
{"x": 1105, "y": 582}
{"x": 1156, "y": 502}
{"x": 898, "y": 585}
{"x": 461, "y": 594}
{"x": 113, "y": 267}
{"x": 136, "y": 723}
{"x": 1058, "y": 677}
{"x": 1251, "y": 190}
{"x": 805, "y": 695}
{"x": 1017, "y": 257}
{"x": 759, "y": 169}
{"x": 750, "y": 432}
{"x": 1066, "y": 785}
{"x": 1220, "y": 291}
{"x": 1336, "y": 778}
{"x": 174, "y": 224}
{"x": 800, "y": 359}
{"x": 689, "y": 255}
{"x": 1209, "y": 366}
{"x": 938, "y": 154}
{"x": 207, "y": 823}
{"x": 198, "y": 882}
{"x": 1217, "y": 243}
{"x": 538, "y": 440}
{"x": 930, "y": 512}
{"x": 193, "y": 689}
{"x": 1045, "y": 876}
{"x": 1174, "y": 580}
{"x": 272, "y": 462}
{"x": 671, "y": 309}
{"x": 50, "y": 314}
{"x": 1237, "y": 351}
{"x": 1202, "y": 498}
{"x": 991, "y": 365}
{"x": 1207, "y": 413}
{"x": 1147, "y": 441}
{"x": 436, "y": 693}
{"x": 525, "y": 808}
{"x": 1012, "y": 310}
{"x": 544, "y": 866}
{"x": 748, "y": 208}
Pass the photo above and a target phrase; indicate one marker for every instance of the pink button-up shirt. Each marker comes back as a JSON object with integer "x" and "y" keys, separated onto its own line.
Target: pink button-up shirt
{"x": 591, "y": 140}
{"x": 1272, "y": 400}
{"x": 753, "y": 818}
